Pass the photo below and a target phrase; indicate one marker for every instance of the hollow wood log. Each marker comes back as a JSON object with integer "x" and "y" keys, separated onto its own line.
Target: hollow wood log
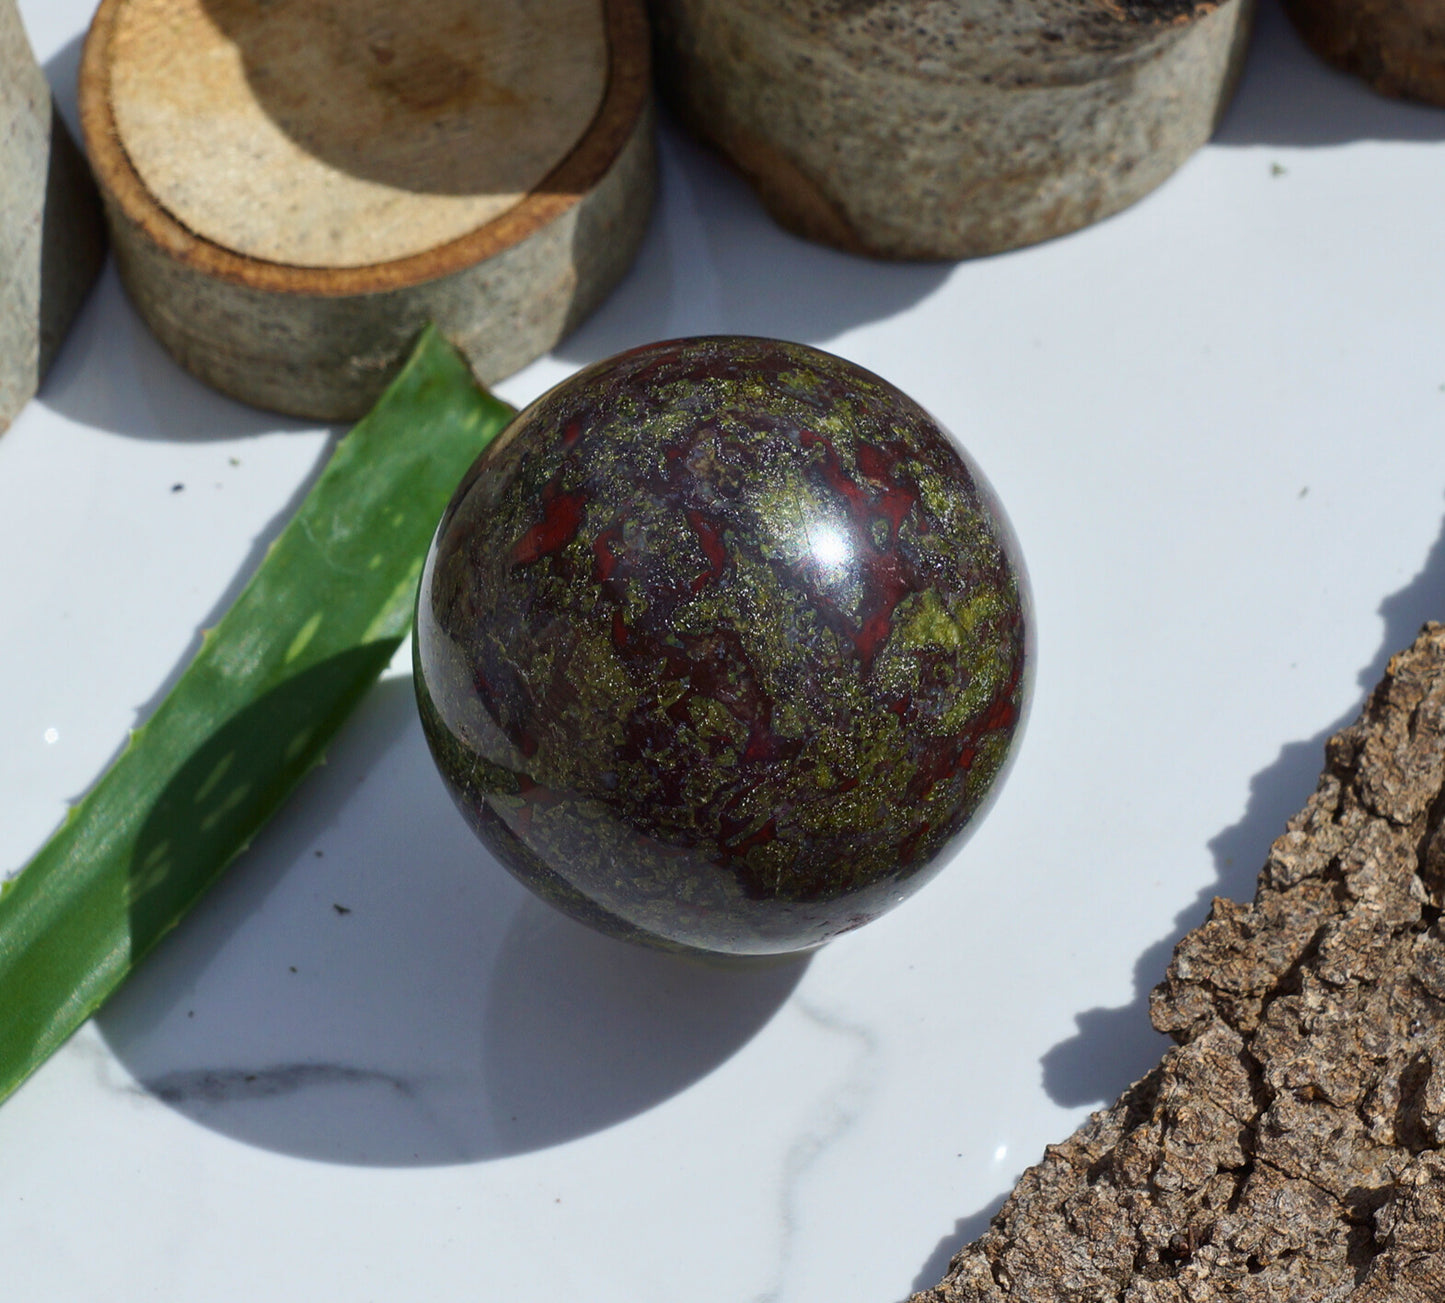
{"x": 949, "y": 128}
{"x": 295, "y": 189}
{"x": 1398, "y": 46}
{"x": 52, "y": 240}
{"x": 1290, "y": 1147}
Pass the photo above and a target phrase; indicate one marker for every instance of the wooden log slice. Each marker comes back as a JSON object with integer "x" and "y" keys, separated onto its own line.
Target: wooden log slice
{"x": 52, "y": 239}
{"x": 1398, "y": 46}
{"x": 949, "y": 128}
{"x": 295, "y": 189}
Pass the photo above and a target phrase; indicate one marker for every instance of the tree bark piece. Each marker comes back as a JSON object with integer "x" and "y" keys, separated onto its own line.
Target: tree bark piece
{"x": 294, "y": 189}
{"x": 1398, "y": 46}
{"x": 1290, "y": 1147}
{"x": 52, "y": 240}
{"x": 950, "y": 128}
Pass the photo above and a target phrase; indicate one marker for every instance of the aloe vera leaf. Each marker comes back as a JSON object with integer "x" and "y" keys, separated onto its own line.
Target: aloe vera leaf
{"x": 249, "y": 716}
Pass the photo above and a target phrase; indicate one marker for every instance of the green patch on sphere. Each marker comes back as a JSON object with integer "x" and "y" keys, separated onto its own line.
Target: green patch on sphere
{"x": 723, "y": 647}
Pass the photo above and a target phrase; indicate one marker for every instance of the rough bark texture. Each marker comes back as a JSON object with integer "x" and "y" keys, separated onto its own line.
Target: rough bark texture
{"x": 1398, "y": 46}
{"x": 949, "y": 128}
{"x": 52, "y": 241}
{"x": 1290, "y": 1147}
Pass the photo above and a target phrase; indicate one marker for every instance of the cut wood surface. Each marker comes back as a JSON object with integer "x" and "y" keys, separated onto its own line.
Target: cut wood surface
{"x": 295, "y": 189}
{"x": 1398, "y": 46}
{"x": 392, "y": 134}
{"x": 950, "y": 128}
{"x": 52, "y": 241}
{"x": 1290, "y": 1148}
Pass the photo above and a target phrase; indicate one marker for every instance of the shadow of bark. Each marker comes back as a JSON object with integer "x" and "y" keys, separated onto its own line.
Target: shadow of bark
{"x": 1114, "y": 1047}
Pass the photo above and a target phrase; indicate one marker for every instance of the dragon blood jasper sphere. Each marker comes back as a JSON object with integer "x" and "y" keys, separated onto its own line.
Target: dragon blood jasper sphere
{"x": 722, "y": 645}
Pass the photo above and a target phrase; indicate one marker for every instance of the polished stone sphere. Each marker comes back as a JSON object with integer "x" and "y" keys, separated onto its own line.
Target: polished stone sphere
{"x": 722, "y": 645}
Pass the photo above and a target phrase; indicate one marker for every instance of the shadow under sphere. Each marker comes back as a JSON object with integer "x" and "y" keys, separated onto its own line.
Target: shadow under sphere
{"x": 368, "y": 986}
{"x": 582, "y": 1031}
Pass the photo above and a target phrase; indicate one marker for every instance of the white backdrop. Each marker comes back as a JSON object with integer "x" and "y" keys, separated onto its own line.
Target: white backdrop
{"x": 1216, "y": 421}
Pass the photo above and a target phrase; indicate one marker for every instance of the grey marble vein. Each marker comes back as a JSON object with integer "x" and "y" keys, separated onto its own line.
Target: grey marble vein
{"x": 836, "y": 1116}
{"x": 235, "y": 1085}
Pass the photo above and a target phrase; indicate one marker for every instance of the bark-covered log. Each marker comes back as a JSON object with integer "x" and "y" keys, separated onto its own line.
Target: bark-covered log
{"x": 295, "y": 189}
{"x": 1290, "y": 1147}
{"x": 949, "y": 128}
{"x": 52, "y": 241}
{"x": 1398, "y": 46}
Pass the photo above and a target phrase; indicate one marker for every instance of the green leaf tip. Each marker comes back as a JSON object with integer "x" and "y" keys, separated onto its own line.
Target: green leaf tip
{"x": 251, "y": 714}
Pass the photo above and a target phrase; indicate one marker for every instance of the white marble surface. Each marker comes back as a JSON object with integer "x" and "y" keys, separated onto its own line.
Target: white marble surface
{"x": 1216, "y": 421}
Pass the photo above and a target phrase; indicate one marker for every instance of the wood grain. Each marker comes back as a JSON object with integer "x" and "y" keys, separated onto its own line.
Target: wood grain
{"x": 391, "y": 136}
{"x": 299, "y": 283}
